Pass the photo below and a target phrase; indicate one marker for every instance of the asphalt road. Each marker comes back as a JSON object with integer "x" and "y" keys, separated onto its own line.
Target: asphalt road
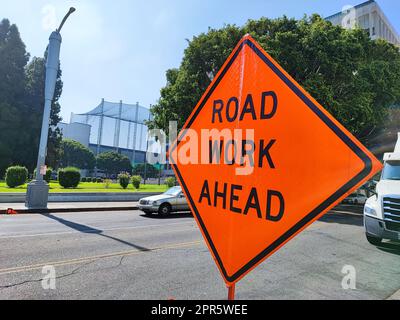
{"x": 124, "y": 255}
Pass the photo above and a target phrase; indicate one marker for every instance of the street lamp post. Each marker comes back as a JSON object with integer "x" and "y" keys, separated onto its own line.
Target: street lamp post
{"x": 38, "y": 190}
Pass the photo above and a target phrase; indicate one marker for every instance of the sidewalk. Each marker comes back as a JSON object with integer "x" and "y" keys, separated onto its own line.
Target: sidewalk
{"x": 72, "y": 207}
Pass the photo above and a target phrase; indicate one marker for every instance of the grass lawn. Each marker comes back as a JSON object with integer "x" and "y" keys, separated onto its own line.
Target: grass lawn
{"x": 89, "y": 187}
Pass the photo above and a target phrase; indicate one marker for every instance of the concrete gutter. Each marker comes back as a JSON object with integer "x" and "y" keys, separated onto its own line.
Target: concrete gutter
{"x": 81, "y": 197}
{"x": 71, "y": 207}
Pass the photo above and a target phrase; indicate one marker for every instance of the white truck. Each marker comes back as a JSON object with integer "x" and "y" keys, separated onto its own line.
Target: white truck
{"x": 382, "y": 211}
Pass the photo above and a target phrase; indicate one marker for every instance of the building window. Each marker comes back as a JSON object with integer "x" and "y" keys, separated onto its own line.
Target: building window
{"x": 373, "y": 31}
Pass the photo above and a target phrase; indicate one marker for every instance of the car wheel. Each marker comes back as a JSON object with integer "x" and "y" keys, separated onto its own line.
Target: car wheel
{"x": 374, "y": 240}
{"x": 165, "y": 209}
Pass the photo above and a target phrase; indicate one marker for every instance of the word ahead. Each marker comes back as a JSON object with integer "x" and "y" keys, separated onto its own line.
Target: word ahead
{"x": 229, "y": 197}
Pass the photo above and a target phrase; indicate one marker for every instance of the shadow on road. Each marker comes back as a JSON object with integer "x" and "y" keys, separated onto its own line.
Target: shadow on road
{"x": 86, "y": 229}
{"x": 343, "y": 218}
{"x": 352, "y": 208}
{"x": 390, "y": 247}
{"x": 177, "y": 215}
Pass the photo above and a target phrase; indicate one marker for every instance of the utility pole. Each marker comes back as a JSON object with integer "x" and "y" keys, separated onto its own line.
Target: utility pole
{"x": 38, "y": 190}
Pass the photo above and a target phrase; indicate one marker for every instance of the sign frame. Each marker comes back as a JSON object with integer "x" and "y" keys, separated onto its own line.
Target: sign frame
{"x": 321, "y": 113}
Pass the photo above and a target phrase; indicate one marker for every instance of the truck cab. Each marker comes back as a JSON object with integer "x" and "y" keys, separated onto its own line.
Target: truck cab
{"x": 382, "y": 211}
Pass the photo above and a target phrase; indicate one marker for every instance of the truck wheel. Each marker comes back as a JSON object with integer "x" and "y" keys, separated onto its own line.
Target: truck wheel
{"x": 374, "y": 240}
{"x": 164, "y": 210}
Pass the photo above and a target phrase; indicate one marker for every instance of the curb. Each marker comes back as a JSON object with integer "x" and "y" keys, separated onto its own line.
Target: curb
{"x": 66, "y": 210}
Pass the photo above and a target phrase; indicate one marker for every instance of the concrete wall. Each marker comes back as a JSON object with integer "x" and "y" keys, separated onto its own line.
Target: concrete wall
{"x": 81, "y": 197}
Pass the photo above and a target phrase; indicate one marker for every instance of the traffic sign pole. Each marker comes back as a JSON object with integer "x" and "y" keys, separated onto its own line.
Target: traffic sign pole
{"x": 231, "y": 292}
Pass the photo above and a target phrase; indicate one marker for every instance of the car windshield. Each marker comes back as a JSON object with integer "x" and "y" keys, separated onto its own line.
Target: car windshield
{"x": 173, "y": 191}
{"x": 391, "y": 171}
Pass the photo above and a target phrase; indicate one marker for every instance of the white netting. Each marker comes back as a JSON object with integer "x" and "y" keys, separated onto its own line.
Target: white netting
{"x": 117, "y": 125}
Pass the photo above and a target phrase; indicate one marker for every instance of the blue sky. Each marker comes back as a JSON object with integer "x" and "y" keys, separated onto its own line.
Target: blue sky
{"x": 121, "y": 49}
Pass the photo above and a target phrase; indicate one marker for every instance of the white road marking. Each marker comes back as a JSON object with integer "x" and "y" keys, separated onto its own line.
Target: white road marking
{"x": 89, "y": 231}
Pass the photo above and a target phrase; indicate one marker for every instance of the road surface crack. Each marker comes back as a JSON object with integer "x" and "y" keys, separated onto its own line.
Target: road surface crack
{"x": 73, "y": 272}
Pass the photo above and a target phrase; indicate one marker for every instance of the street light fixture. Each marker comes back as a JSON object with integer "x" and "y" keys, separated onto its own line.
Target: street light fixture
{"x": 38, "y": 190}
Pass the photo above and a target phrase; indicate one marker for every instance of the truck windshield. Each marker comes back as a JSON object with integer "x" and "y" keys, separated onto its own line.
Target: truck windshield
{"x": 391, "y": 171}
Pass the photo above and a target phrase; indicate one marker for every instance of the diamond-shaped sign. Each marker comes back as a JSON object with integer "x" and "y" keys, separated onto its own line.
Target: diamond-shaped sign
{"x": 262, "y": 161}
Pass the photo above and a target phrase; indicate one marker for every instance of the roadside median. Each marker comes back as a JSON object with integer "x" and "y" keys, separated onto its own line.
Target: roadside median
{"x": 76, "y": 202}
{"x": 63, "y": 207}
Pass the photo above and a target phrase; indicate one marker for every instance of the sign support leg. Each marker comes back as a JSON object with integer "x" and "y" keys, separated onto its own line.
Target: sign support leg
{"x": 231, "y": 292}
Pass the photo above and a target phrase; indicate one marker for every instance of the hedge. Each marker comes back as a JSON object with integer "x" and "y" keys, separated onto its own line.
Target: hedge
{"x": 69, "y": 177}
{"x": 136, "y": 180}
{"x": 170, "y": 182}
{"x": 16, "y": 176}
{"x": 123, "y": 179}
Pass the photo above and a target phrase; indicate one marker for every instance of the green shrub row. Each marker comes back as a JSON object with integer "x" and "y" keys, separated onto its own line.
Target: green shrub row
{"x": 70, "y": 178}
{"x": 94, "y": 180}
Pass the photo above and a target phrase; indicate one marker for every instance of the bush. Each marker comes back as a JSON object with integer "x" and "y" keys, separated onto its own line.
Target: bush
{"x": 123, "y": 179}
{"x": 47, "y": 176}
{"x": 99, "y": 180}
{"x": 136, "y": 180}
{"x": 69, "y": 177}
{"x": 170, "y": 182}
{"x": 83, "y": 179}
{"x": 107, "y": 183}
{"x": 16, "y": 176}
{"x": 94, "y": 180}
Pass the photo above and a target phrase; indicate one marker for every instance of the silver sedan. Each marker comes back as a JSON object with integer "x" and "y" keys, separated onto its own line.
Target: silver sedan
{"x": 171, "y": 201}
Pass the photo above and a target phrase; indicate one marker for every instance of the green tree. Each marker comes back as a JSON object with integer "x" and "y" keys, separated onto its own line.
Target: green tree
{"x": 151, "y": 170}
{"x": 13, "y": 59}
{"x": 353, "y": 77}
{"x": 21, "y": 103}
{"x": 35, "y": 76}
{"x": 75, "y": 154}
{"x": 113, "y": 163}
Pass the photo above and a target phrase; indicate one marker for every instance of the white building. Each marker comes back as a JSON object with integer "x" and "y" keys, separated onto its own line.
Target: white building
{"x": 370, "y": 17}
{"x": 111, "y": 126}
{"x": 76, "y": 131}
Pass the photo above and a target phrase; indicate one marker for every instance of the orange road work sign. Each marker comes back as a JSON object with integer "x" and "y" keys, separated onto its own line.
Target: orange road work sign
{"x": 259, "y": 160}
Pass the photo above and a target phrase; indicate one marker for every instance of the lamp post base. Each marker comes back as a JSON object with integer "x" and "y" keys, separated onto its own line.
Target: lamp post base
{"x": 37, "y": 195}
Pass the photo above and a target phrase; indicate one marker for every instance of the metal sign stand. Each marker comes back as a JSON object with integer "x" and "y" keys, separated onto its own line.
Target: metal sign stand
{"x": 231, "y": 292}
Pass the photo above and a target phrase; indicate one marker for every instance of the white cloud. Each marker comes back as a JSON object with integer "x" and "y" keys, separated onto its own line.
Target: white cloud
{"x": 49, "y": 17}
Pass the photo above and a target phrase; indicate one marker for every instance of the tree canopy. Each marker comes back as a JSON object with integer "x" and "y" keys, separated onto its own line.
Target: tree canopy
{"x": 75, "y": 154}
{"x": 13, "y": 59}
{"x": 140, "y": 168}
{"x": 113, "y": 163}
{"x": 35, "y": 76}
{"x": 355, "y": 78}
{"x": 21, "y": 103}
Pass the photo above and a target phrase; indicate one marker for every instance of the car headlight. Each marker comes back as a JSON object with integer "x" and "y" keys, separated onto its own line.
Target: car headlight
{"x": 155, "y": 203}
{"x": 370, "y": 211}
